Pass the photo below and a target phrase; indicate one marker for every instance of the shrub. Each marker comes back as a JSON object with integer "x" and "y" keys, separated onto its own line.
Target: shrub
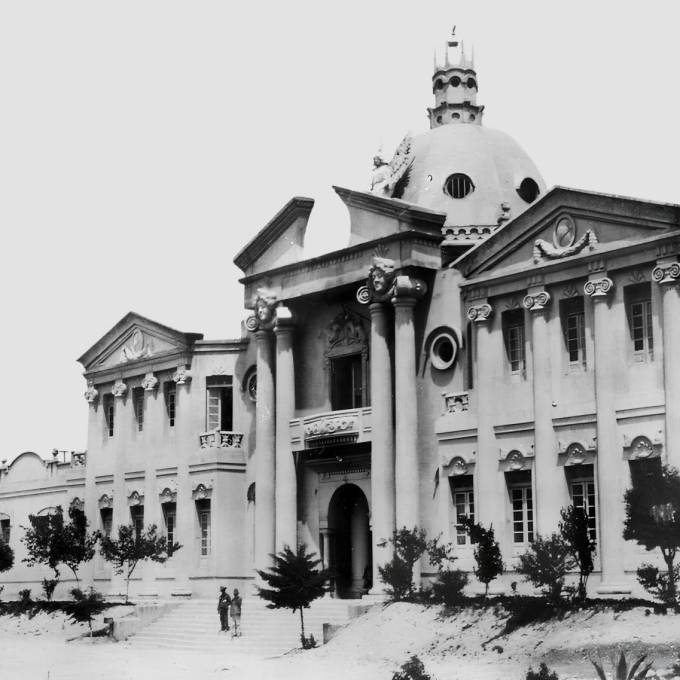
{"x": 657, "y": 583}
{"x": 307, "y": 642}
{"x": 48, "y": 586}
{"x": 25, "y": 596}
{"x": 448, "y": 588}
{"x": 487, "y": 553}
{"x": 546, "y": 563}
{"x": 622, "y": 671}
{"x": 397, "y": 574}
{"x": 575, "y": 531}
{"x": 87, "y": 605}
{"x": 543, "y": 673}
{"x": 6, "y": 556}
{"x": 413, "y": 669}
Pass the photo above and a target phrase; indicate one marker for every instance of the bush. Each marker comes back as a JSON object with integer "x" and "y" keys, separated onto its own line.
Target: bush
{"x": 48, "y": 586}
{"x": 25, "y": 596}
{"x": 542, "y": 674}
{"x": 487, "y": 553}
{"x": 413, "y": 669}
{"x": 575, "y": 531}
{"x": 448, "y": 588}
{"x": 87, "y": 605}
{"x": 397, "y": 574}
{"x": 546, "y": 563}
{"x": 307, "y": 642}
{"x": 658, "y": 583}
{"x": 6, "y": 556}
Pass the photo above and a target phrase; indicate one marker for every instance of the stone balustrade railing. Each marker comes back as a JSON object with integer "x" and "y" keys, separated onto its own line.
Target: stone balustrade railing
{"x": 221, "y": 439}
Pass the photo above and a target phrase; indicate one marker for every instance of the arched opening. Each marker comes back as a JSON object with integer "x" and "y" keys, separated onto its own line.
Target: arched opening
{"x": 350, "y": 544}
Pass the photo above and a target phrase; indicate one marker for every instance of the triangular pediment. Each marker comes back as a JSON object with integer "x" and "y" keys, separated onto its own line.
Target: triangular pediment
{"x": 566, "y": 224}
{"x": 134, "y": 339}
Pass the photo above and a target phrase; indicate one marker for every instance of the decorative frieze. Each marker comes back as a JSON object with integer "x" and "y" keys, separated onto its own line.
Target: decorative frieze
{"x": 150, "y": 382}
{"x": 182, "y": 375}
{"x": 106, "y": 500}
{"x": 137, "y": 347}
{"x": 330, "y": 426}
{"x": 564, "y": 241}
{"x": 202, "y": 490}
{"x": 480, "y": 313}
{"x": 666, "y": 274}
{"x": 345, "y": 334}
{"x": 537, "y": 302}
{"x": 458, "y": 465}
{"x": 220, "y": 439}
{"x": 119, "y": 389}
{"x": 577, "y": 452}
{"x": 642, "y": 447}
{"x": 456, "y": 402}
{"x": 168, "y": 493}
{"x": 91, "y": 393}
{"x": 598, "y": 288}
{"x": 516, "y": 459}
{"x": 135, "y": 498}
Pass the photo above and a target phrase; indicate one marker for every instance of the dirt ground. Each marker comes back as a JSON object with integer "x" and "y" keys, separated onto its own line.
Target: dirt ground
{"x": 372, "y": 648}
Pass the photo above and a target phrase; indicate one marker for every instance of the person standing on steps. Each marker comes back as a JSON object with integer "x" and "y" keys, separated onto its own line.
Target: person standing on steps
{"x": 236, "y": 603}
{"x": 223, "y": 608}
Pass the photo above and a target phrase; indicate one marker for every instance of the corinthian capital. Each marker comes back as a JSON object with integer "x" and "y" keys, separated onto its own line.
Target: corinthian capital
{"x": 537, "y": 302}
{"x": 666, "y": 274}
{"x": 119, "y": 388}
{"x": 598, "y": 288}
{"x": 380, "y": 282}
{"x": 91, "y": 393}
{"x": 407, "y": 287}
{"x": 264, "y": 315}
{"x": 480, "y": 313}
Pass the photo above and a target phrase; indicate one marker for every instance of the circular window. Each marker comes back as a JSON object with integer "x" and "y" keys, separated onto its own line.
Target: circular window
{"x": 438, "y": 84}
{"x": 455, "y": 81}
{"x": 458, "y": 185}
{"x": 471, "y": 82}
{"x": 455, "y": 116}
{"x": 250, "y": 383}
{"x": 443, "y": 351}
{"x": 528, "y": 190}
{"x": 439, "y": 119}
{"x": 472, "y": 116}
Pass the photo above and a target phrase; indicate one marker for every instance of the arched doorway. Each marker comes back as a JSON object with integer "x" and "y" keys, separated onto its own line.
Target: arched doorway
{"x": 350, "y": 555}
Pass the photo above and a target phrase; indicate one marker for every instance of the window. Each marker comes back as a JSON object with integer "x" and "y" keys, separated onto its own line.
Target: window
{"x": 170, "y": 521}
{"x": 573, "y": 329}
{"x": 107, "y": 520}
{"x": 443, "y": 350}
{"x": 583, "y": 497}
{"x": 170, "y": 390}
{"x": 347, "y": 390}
{"x": 528, "y": 190}
{"x": 109, "y": 413}
{"x": 138, "y": 406}
{"x": 463, "y": 504}
{"x": 458, "y": 185}
{"x": 521, "y": 500}
{"x": 203, "y": 510}
{"x": 219, "y": 403}
{"x": 513, "y": 336}
{"x": 137, "y": 517}
{"x": 5, "y": 530}
{"x": 638, "y": 301}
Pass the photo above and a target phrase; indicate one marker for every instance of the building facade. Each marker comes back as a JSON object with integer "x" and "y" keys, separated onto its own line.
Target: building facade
{"x": 482, "y": 347}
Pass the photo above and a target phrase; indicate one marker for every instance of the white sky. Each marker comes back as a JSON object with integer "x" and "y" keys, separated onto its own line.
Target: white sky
{"x": 143, "y": 143}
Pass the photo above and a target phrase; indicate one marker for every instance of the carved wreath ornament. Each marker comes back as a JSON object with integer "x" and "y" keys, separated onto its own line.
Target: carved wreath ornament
{"x": 564, "y": 241}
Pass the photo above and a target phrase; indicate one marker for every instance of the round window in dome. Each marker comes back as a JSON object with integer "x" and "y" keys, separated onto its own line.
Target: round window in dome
{"x": 471, "y": 82}
{"x": 528, "y": 190}
{"x": 458, "y": 185}
{"x": 455, "y": 116}
{"x": 443, "y": 351}
{"x": 455, "y": 81}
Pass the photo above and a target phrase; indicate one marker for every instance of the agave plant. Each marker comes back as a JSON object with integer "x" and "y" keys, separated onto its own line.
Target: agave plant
{"x": 622, "y": 671}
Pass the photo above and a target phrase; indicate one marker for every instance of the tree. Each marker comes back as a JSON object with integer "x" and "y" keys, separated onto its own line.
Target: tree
{"x": 653, "y": 520}
{"x": 487, "y": 553}
{"x": 294, "y": 583}
{"x": 546, "y": 563}
{"x": 575, "y": 531}
{"x": 132, "y": 547}
{"x": 6, "y": 556}
{"x": 397, "y": 574}
{"x": 51, "y": 541}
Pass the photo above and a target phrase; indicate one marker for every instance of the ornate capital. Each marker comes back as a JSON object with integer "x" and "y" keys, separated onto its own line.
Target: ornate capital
{"x": 264, "y": 315}
{"x": 182, "y": 375}
{"x": 119, "y": 388}
{"x": 480, "y": 313}
{"x": 91, "y": 393}
{"x": 380, "y": 282}
{"x": 666, "y": 274}
{"x": 406, "y": 287}
{"x": 284, "y": 319}
{"x": 150, "y": 382}
{"x": 598, "y": 288}
{"x": 538, "y": 302}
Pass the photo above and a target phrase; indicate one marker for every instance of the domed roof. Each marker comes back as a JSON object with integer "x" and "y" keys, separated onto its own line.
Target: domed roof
{"x": 476, "y": 175}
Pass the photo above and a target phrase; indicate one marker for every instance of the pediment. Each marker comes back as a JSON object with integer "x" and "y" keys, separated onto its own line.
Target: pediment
{"x": 567, "y": 224}
{"x": 133, "y": 339}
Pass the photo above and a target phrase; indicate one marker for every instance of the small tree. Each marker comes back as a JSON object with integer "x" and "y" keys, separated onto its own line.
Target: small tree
{"x": 448, "y": 586}
{"x": 653, "y": 520}
{"x": 51, "y": 541}
{"x": 132, "y": 547}
{"x": 295, "y": 582}
{"x": 397, "y": 574}
{"x": 487, "y": 553}
{"x": 86, "y": 605}
{"x": 575, "y": 531}
{"x": 546, "y": 563}
{"x": 6, "y": 556}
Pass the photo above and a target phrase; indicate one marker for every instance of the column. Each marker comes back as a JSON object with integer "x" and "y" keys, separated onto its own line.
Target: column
{"x": 609, "y": 458}
{"x": 286, "y": 481}
{"x": 382, "y": 445}
{"x": 549, "y": 484}
{"x": 666, "y": 274}
{"x": 94, "y": 435}
{"x": 265, "y": 465}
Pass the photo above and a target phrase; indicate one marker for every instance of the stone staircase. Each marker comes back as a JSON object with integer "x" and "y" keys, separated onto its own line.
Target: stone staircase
{"x": 194, "y": 626}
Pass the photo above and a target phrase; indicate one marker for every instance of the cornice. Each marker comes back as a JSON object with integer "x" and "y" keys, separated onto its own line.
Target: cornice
{"x": 156, "y": 363}
{"x": 221, "y": 346}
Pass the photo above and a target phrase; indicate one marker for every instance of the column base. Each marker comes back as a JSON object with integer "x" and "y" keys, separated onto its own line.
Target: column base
{"x": 375, "y": 595}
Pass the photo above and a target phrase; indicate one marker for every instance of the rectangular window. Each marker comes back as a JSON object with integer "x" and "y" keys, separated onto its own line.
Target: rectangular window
{"x": 203, "y": 510}
{"x": 170, "y": 390}
{"x": 513, "y": 336}
{"x": 463, "y": 503}
{"x": 583, "y": 497}
{"x": 522, "y": 506}
{"x": 219, "y": 403}
{"x": 5, "y": 530}
{"x": 137, "y": 517}
{"x": 138, "y": 406}
{"x": 107, "y": 520}
{"x": 573, "y": 329}
{"x": 109, "y": 413}
{"x": 638, "y": 301}
{"x": 347, "y": 389}
{"x": 170, "y": 521}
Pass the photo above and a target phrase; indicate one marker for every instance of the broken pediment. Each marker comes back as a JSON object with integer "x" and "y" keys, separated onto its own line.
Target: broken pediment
{"x": 133, "y": 339}
{"x": 567, "y": 224}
